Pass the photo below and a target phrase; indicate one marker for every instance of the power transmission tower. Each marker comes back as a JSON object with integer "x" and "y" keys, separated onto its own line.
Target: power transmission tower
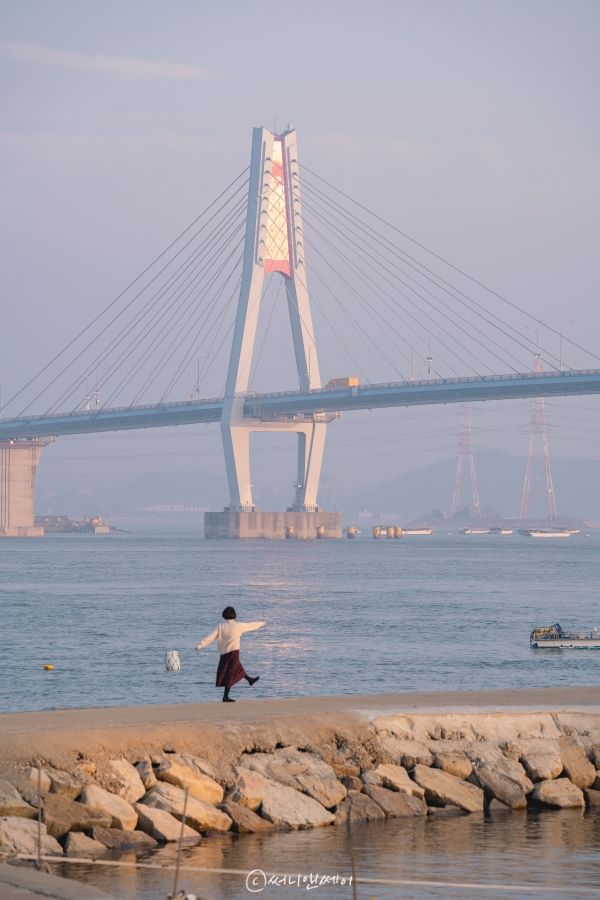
{"x": 538, "y": 429}
{"x": 465, "y": 456}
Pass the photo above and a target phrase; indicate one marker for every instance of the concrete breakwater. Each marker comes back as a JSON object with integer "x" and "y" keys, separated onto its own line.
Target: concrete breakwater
{"x": 122, "y": 786}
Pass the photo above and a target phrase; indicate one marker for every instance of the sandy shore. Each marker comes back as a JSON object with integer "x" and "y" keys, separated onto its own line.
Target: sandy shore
{"x": 58, "y": 734}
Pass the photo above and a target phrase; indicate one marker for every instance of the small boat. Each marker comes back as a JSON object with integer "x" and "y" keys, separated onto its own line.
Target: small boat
{"x": 413, "y": 531}
{"x": 498, "y": 530}
{"x": 475, "y": 531}
{"x": 555, "y": 637}
{"x": 546, "y": 532}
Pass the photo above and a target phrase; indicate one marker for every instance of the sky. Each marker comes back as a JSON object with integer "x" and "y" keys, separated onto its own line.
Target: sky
{"x": 472, "y": 126}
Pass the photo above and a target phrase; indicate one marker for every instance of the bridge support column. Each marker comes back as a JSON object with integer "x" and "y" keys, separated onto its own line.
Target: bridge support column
{"x": 18, "y": 469}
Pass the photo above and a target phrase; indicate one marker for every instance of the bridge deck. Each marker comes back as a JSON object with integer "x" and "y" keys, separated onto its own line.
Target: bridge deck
{"x": 307, "y": 403}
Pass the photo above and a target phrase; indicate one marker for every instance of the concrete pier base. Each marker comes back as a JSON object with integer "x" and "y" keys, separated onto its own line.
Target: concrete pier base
{"x": 273, "y": 526}
{"x": 18, "y": 468}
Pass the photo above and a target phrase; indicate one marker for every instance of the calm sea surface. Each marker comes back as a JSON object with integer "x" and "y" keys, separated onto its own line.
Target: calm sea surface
{"x": 440, "y": 612}
{"x": 343, "y": 616}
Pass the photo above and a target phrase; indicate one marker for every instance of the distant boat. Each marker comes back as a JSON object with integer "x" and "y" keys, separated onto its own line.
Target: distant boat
{"x": 412, "y": 531}
{"x": 547, "y": 532}
{"x": 476, "y": 531}
{"x": 497, "y": 530}
{"x": 554, "y": 637}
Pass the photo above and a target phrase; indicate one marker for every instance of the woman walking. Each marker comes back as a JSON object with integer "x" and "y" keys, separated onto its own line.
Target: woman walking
{"x": 228, "y": 635}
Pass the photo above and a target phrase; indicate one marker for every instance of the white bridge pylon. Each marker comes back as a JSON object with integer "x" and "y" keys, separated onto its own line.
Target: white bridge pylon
{"x": 274, "y": 243}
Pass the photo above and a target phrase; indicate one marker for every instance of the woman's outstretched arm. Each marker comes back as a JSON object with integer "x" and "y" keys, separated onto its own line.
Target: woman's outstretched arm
{"x": 208, "y": 639}
{"x": 252, "y": 626}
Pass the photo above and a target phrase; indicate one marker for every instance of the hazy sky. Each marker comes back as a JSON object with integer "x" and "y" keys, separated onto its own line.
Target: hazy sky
{"x": 474, "y": 126}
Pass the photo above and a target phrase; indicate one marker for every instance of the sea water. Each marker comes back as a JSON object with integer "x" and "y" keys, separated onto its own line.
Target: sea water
{"x": 364, "y": 616}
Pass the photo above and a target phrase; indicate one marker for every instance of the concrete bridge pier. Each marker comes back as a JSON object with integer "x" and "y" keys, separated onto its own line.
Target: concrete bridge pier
{"x": 18, "y": 469}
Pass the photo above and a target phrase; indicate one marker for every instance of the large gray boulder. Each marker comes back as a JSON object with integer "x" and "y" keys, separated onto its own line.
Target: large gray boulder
{"x": 198, "y": 814}
{"x": 122, "y": 813}
{"x": 407, "y": 753}
{"x": 117, "y": 839}
{"x": 396, "y": 778}
{"x": 184, "y": 772}
{"x": 578, "y": 769}
{"x": 356, "y": 808}
{"x": 454, "y": 763}
{"x": 303, "y": 771}
{"x": 163, "y": 826}
{"x": 125, "y": 780}
{"x": 61, "y": 815}
{"x": 541, "y": 759}
{"x": 79, "y": 844}
{"x": 63, "y": 783}
{"x": 244, "y": 820}
{"x": 12, "y": 804}
{"x": 20, "y": 836}
{"x": 146, "y": 773}
{"x": 501, "y": 778}
{"x": 560, "y": 792}
{"x": 442, "y": 789}
{"x": 288, "y": 807}
{"x": 396, "y": 804}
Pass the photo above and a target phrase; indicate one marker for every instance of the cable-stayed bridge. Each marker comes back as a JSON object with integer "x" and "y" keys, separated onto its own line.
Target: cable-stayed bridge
{"x": 413, "y": 329}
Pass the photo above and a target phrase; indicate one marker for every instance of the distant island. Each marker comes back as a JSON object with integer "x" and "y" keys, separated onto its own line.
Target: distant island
{"x": 66, "y": 525}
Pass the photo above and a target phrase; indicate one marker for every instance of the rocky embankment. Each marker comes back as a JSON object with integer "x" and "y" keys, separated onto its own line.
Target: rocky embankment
{"x": 326, "y": 770}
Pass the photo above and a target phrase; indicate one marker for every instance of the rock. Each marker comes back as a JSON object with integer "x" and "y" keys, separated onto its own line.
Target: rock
{"x": 396, "y": 778}
{"x": 541, "y": 760}
{"x": 63, "y": 783}
{"x": 244, "y": 820}
{"x": 163, "y": 826}
{"x": 592, "y": 798}
{"x": 356, "y": 808}
{"x": 490, "y": 757}
{"x": 248, "y": 789}
{"x": 456, "y": 764}
{"x": 183, "y": 773}
{"x": 407, "y": 753}
{"x": 496, "y": 806}
{"x": 12, "y": 804}
{"x": 61, "y": 815}
{"x": 445, "y": 812}
{"x": 18, "y": 835}
{"x": 146, "y": 773}
{"x": 442, "y": 789}
{"x": 498, "y": 786}
{"x": 578, "y": 769}
{"x": 79, "y": 844}
{"x": 118, "y": 839}
{"x": 30, "y": 793}
{"x": 122, "y": 813}
{"x": 288, "y": 807}
{"x": 558, "y": 792}
{"x": 86, "y": 767}
{"x": 352, "y": 783}
{"x": 126, "y": 779}
{"x": 198, "y": 814}
{"x": 373, "y": 777}
{"x": 345, "y": 769}
{"x": 302, "y": 771}
{"x": 396, "y": 804}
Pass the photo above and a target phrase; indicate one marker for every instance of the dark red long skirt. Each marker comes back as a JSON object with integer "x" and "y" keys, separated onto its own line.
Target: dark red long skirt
{"x": 230, "y": 670}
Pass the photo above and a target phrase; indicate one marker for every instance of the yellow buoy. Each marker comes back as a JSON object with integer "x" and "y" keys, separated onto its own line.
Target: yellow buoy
{"x": 48, "y": 667}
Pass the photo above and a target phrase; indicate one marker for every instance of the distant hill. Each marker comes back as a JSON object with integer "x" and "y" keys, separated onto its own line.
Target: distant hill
{"x": 500, "y": 479}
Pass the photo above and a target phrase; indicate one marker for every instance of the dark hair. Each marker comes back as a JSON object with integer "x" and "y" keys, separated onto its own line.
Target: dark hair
{"x": 229, "y": 613}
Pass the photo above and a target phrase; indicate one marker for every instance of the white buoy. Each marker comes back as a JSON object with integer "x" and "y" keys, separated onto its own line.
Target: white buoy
{"x": 172, "y": 661}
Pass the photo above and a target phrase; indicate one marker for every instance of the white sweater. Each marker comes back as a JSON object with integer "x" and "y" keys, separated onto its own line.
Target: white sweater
{"x": 228, "y": 634}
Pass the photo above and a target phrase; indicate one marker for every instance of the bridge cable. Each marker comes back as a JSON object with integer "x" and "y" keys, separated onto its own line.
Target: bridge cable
{"x": 124, "y": 291}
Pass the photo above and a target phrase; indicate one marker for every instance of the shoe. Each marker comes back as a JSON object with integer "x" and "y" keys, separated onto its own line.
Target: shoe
{"x": 228, "y": 700}
{"x": 252, "y": 681}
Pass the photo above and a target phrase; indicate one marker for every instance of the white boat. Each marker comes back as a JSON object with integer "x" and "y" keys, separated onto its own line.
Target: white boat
{"x": 498, "y": 530}
{"x": 547, "y": 532}
{"x": 475, "y": 531}
{"x": 553, "y": 637}
{"x": 412, "y": 531}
